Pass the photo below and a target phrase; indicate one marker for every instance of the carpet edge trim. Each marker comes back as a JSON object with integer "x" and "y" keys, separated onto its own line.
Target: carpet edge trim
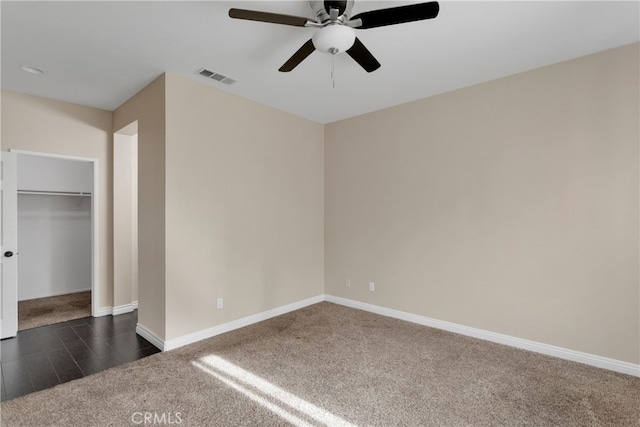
{"x": 534, "y": 346}
{"x": 234, "y": 324}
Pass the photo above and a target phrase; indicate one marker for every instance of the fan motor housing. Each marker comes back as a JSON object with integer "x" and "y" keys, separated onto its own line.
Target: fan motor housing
{"x": 321, "y": 9}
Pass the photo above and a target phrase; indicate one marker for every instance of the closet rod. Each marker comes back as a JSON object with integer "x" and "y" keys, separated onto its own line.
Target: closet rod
{"x": 54, "y": 193}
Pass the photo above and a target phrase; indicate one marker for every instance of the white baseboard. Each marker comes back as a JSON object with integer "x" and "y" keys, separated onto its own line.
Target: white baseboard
{"x": 126, "y": 308}
{"x": 104, "y": 311}
{"x": 537, "y": 347}
{"x": 150, "y": 336}
{"x": 240, "y": 323}
{"x": 114, "y": 311}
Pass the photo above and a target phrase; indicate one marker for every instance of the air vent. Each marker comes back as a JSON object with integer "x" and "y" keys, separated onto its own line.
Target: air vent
{"x": 215, "y": 76}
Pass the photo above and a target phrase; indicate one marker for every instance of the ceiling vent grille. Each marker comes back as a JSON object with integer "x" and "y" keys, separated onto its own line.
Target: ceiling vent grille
{"x": 215, "y": 76}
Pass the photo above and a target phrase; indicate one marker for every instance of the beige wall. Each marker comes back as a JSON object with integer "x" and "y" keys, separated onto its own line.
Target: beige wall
{"x": 244, "y": 201}
{"x": 511, "y": 206}
{"x": 43, "y": 125}
{"x": 148, "y": 108}
{"x": 125, "y": 219}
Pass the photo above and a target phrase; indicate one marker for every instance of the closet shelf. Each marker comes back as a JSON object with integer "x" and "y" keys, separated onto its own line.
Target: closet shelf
{"x": 55, "y": 193}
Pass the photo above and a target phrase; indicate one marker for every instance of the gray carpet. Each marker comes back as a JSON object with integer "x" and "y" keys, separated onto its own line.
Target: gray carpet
{"x": 47, "y": 311}
{"x": 332, "y": 365}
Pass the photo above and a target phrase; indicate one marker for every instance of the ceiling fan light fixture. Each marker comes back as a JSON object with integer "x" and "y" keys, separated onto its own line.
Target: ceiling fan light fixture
{"x": 334, "y": 39}
{"x": 336, "y": 33}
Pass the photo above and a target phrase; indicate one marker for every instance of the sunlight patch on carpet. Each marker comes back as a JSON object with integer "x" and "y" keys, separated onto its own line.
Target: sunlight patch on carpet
{"x": 272, "y": 397}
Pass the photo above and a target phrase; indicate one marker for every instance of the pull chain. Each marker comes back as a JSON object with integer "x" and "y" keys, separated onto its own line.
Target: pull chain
{"x": 333, "y": 73}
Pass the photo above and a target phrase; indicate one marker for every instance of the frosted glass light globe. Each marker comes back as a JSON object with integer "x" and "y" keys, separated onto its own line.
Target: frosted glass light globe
{"x": 334, "y": 39}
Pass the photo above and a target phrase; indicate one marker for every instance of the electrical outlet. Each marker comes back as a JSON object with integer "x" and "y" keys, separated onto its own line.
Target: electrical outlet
{"x": 372, "y": 286}
{"x": 220, "y": 303}
{"x": 348, "y": 282}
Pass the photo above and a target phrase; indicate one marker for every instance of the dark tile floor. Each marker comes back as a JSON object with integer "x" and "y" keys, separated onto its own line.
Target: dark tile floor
{"x": 43, "y": 357}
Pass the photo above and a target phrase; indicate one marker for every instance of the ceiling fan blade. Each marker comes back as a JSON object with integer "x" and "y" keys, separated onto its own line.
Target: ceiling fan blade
{"x": 273, "y": 18}
{"x": 397, "y": 15}
{"x": 306, "y": 50}
{"x": 363, "y": 57}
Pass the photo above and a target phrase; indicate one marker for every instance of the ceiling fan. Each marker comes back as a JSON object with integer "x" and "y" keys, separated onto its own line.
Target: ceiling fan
{"x": 336, "y": 26}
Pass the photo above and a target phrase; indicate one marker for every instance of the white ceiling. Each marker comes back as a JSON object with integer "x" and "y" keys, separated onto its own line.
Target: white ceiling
{"x": 99, "y": 54}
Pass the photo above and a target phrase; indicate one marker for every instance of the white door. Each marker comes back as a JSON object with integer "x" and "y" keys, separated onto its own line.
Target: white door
{"x": 9, "y": 246}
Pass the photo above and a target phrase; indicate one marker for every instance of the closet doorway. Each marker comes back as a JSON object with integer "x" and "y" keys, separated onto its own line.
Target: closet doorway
{"x": 57, "y": 235}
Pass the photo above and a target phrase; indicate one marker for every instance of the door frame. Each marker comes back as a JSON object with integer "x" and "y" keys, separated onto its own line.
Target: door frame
{"x": 9, "y": 232}
{"x": 95, "y": 222}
